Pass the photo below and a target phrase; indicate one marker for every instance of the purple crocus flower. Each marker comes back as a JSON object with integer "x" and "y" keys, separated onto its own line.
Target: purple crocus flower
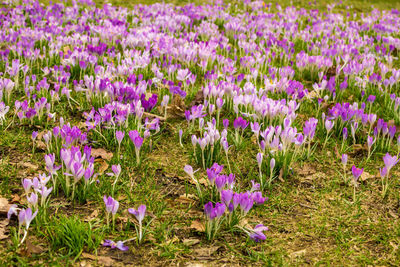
{"x": 226, "y": 196}
{"x": 119, "y": 135}
{"x": 25, "y": 217}
{"x": 246, "y": 202}
{"x": 257, "y": 233}
{"x": 139, "y": 213}
{"x": 390, "y": 161}
{"x": 111, "y": 205}
{"x": 12, "y": 211}
{"x": 258, "y": 198}
{"x": 136, "y": 139}
{"x": 356, "y": 172}
{"x": 119, "y": 245}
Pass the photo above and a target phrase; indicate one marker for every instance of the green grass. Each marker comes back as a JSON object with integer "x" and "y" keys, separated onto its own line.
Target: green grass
{"x": 311, "y": 216}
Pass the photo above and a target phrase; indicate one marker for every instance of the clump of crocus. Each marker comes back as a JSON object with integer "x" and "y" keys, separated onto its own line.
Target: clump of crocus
{"x": 213, "y": 218}
{"x": 112, "y": 206}
{"x": 138, "y": 142}
{"x": 390, "y": 162}
{"x": 356, "y": 175}
{"x": 139, "y": 214}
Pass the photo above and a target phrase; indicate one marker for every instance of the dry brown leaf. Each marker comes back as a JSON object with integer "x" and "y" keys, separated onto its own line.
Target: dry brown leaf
{"x": 102, "y": 153}
{"x": 205, "y": 252}
{"x": 28, "y": 165}
{"x": 189, "y": 198}
{"x": 15, "y": 198}
{"x": 41, "y": 145}
{"x": 92, "y": 216}
{"x": 177, "y": 107}
{"x": 365, "y": 175}
{"x": 203, "y": 181}
{"x": 190, "y": 241}
{"x": 103, "y": 166}
{"x": 33, "y": 249}
{"x": 298, "y": 253}
{"x": 198, "y": 99}
{"x": 198, "y": 226}
{"x": 4, "y": 205}
{"x": 103, "y": 260}
{"x": 280, "y": 177}
{"x": 3, "y": 229}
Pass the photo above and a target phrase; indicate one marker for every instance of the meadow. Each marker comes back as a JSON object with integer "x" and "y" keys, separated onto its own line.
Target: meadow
{"x": 206, "y": 133}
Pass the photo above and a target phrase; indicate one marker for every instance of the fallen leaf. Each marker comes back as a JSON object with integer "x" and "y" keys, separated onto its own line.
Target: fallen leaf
{"x": 280, "y": 177}
{"x": 92, "y": 216}
{"x": 3, "y": 229}
{"x": 365, "y": 176}
{"x": 189, "y": 198}
{"x": 177, "y": 107}
{"x": 41, "y": 145}
{"x": 102, "y": 153}
{"x": 198, "y": 99}
{"x": 4, "y": 205}
{"x": 204, "y": 252}
{"x": 33, "y": 249}
{"x": 298, "y": 253}
{"x": 103, "y": 167}
{"x": 28, "y": 165}
{"x": 16, "y": 199}
{"x": 104, "y": 260}
{"x": 190, "y": 241}
{"x": 198, "y": 226}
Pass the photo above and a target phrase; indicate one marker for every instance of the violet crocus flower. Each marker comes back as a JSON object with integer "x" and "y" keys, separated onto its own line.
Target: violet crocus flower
{"x": 257, "y": 233}
{"x": 25, "y": 217}
{"x": 356, "y": 172}
{"x": 226, "y": 196}
{"x": 119, "y": 135}
{"x": 390, "y": 161}
{"x": 137, "y": 141}
{"x": 27, "y": 184}
{"x": 139, "y": 213}
{"x": 112, "y": 206}
{"x": 119, "y": 245}
{"x": 258, "y": 198}
{"x": 13, "y": 210}
{"x": 246, "y": 203}
{"x": 32, "y": 200}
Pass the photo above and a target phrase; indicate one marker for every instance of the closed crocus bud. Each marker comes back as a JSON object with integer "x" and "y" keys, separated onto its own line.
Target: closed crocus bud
{"x": 225, "y": 123}
{"x": 189, "y": 170}
{"x": 119, "y": 135}
{"x": 220, "y": 103}
{"x": 194, "y": 140}
{"x": 34, "y": 135}
{"x": 272, "y": 164}
{"x": 259, "y": 159}
{"x": 383, "y": 172}
{"x": 344, "y": 159}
